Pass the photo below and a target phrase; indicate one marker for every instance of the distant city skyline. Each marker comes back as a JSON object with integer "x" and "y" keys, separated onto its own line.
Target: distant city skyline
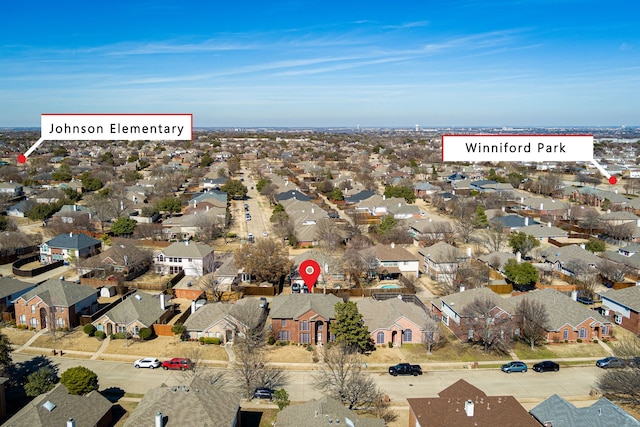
{"x": 523, "y": 63}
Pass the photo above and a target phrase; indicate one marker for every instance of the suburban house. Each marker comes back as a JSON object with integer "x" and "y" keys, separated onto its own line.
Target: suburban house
{"x": 442, "y": 260}
{"x": 121, "y": 257}
{"x": 623, "y": 306}
{"x": 572, "y": 260}
{"x": 629, "y": 256}
{"x": 509, "y": 223}
{"x": 393, "y": 321}
{"x": 10, "y": 289}
{"x": 544, "y": 232}
{"x": 303, "y": 318}
{"x": 226, "y": 321}
{"x": 74, "y": 214}
{"x": 11, "y": 189}
{"x": 394, "y": 261}
{"x": 452, "y": 310}
{"x": 58, "y": 406}
{"x": 195, "y": 259}
{"x": 332, "y": 271}
{"x": 427, "y": 232}
{"x": 462, "y": 404}
{"x": 65, "y": 247}
{"x": 322, "y": 412}
{"x": 557, "y": 412}
{"x": 20, "y": 209}
{"x": 137, "y": 311}
{"x": 569, "y": 320}
{"x": 190, "y": 404}
{"x": 56, "y": 302}
{"x": 424, "y": 189}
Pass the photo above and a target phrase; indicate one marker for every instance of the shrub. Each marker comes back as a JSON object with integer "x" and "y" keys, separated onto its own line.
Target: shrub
{"x": 79, "y": 380}
{"x": 390, "y": 344}
{"x": 579, "y": 340}
{"x": 282, "y": 342}
{"x": 309, "y": 348}
{"x": 120, "y": 336}
{"x": 271, "y": 341}
{"x": 210, "y": 340}
{"x": 566, "y": 341}
{"x": 595, "y": 341}
{"x": 605, "y": 340}
{"x": 100, "y": 335}
{"x": 112, "y": 336}
{"x": 145, "y": 333}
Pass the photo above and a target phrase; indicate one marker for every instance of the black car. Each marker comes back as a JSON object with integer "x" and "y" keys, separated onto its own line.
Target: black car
{"x": 546, "y": 366}
{"x": 264, "y": 393}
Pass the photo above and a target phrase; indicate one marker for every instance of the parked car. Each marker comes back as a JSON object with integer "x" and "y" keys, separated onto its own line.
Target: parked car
{"x": 514, "y": 367}
{"x": 405, "y": 369}
{"x": 610, "y": 362}
{"x": 633, "y": 361}
{"x": 546, "y": 366}
{"x": 147, "y": 362}
{"x": 177, "y": 363}
{"x": 248, "y": 217}
{"x": 264, "y": 393}
{"x": 295, "y": 288}
{"x": 251, "y": 238}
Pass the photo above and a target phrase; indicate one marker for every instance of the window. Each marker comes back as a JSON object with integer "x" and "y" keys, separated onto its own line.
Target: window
{"x": 618, "y": 319}
{"x": 583, "y": 333}
{"x": 565, "y": 334}
{"x": 160, "y": 258}
{"x": 33, "y": 309}
{"x": 283, "y": 322}
{"x": 34, "y": 322}
{"x": 380, "y": 338}
{"x": 23, "y": 319}
{"x": 283, "y": 336}
{"x": 332, "y": 337}
{"x": 407, "y": 335}
{"x": 305, "y": 338}
{"x": 60, "y": 322}
{"x": 122, "y": 328}
{"x": 304, "y": 326}
{"x": 445, "y": 319}
{"x": 605, "y": 330}
{"x": 320, "y": 326}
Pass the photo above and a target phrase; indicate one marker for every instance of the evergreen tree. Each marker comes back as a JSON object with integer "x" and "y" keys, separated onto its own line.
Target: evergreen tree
{"x": 79, "y": 380}
{"x": 349, "y": 328}
{"x": 41, "y": 381}
{"x": 480, "y": 219}
{"x": 123, "y": 226}
{"x": 5, "y": 353}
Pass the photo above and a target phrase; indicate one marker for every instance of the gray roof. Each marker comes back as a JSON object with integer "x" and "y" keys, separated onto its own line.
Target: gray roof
{"x": 513, "y": 221}
{"x": 187, "y": 250}
{"x": 141, "y": 306}
{"x": 504, "y": 257}
{"x": 10, "y": 286}
{"x": 293, "y": 306}
{"x": 60, "y": 293}
{"x": 569, "y": 253}
{"x": 441, "y": 252}
{"x": 246, "y": 312}
{"x": 602, "y": 413}
{"x": 628, "y": 297}
{"x": 198, "y": 403}
{"x": 542, "y": 231}
{"x": 460, "y": 300}
{"x": 72, "y": 241}
{"x": 561, "y": 309}
{"x": 87, "y": 410}
{"x": 319, "y": 412}
{"x": 382, "y": 314}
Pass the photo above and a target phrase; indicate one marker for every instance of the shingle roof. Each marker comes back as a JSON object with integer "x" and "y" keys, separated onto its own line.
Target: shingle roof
{"x": 569, "y": 253}
{"x": 72, "y": 241}
{"x": 602, "y": 413}
{"x": 383, "y": 314}
{"x": 294, "y": 305}
{"x": 10, "y": 286}
{"x": 187, "y": 250}
{"x": 60, "y": 293}
{"x": 141, "y": 306}
{"x": 198, "y": 403}
{"x": 87, "y": 410}
{"x": 442, "y": 252}
{"x": 393, "y": 253}
{"x": 542, "y": 231}
{"x": 323, "y": 412}
{"x": 246, "y": 311}
{"x": 628, "y": 297}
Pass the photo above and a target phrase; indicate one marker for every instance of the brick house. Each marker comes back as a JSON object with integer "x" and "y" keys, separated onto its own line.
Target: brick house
{"x": 66, "y": 246}
{"x": 303, "y": 318}
{"x": 56, "y": 301}
{"x": 137, "y": 311}
{"x": 623, "y": 306}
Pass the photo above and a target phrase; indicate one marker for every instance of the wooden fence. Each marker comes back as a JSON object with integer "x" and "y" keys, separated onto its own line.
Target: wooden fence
{"x": 15, "y": 267}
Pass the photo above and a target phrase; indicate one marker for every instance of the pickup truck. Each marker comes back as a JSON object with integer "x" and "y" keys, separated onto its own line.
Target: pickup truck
{"x": 405, "y": 369}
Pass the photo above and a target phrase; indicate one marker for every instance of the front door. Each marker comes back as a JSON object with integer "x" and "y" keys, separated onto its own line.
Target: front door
{"x": 43, "y": 318}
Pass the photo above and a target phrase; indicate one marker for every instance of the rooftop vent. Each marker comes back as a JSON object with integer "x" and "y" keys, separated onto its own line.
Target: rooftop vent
{"x": 49, "y": 406}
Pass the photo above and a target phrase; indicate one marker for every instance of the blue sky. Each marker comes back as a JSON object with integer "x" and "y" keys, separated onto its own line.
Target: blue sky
{"x": 308, "y": 63}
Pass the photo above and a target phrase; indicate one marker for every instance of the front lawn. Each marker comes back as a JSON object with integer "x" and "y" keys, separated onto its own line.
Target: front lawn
{"x": 524, "y": 352}
{"x": 451, "y": 350}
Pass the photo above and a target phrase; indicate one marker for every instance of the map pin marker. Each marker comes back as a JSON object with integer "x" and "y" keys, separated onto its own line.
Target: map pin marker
{"x": 309, "y": 271}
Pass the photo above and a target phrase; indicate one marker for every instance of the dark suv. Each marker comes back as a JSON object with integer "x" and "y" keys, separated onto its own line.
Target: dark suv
{"x": 177, "y": 363}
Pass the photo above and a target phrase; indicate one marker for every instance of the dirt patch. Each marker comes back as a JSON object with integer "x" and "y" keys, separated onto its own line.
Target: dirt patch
{"x": 166, "y": 347}
{"x": 75, "y": 340}
{"x": 17, "y": 336}
{"x": 289, "y": 353}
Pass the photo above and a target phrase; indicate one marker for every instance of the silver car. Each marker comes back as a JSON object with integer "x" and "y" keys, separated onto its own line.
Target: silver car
{"x": 147, "y": 362}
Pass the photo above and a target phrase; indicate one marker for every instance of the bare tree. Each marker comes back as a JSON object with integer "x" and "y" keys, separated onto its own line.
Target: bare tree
{"x": 432, "y": 334}
{"x": 251, "y": 370}
{"x": 328, "y": 235}
{"x": 620, "y": 232}
{"x": 591, "y": 221}
{"x": 267, "y": 260}
{"x": 488, "y": 326}
{"x": 494, "y": 238}
{"x": 623, "y": 384}
{"x": 342, "y": 376}
{"x": 472, "y": 274}
{"x": 464, "y": 228}
{"x": 532, "y": 320}
{"x": 613, "y": 271}
{"x": 353, "y": 263}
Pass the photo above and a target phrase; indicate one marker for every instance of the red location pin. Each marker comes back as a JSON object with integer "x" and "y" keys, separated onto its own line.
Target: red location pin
{"x": 309, "y": 271}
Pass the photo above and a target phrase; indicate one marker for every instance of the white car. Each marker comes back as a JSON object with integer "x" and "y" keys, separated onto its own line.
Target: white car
{"x": 147, "y": 362}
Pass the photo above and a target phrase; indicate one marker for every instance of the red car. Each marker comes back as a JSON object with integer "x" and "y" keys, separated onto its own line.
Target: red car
{"x": 177, "y": 363}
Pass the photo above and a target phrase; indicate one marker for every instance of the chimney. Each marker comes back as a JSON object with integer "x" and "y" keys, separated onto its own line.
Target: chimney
{"x": 526, "y": 221}
{"x": 462, "y": 287}
{"x": 549, "y": 224}
{"x": 384, "y": 197}
{"x": 393, "y": 245}
{"x": 163, "y": 305}
{"x": 541, "y": 206}
{"x": 503, "y": 209}
{"x": 75, "y": 208}
{"x": 468, "y": 408}
{"x": 518, "y": 257}
{"x": 574, "y": 295}
{"x": 207, "y": 208}
{"x": 159, "y": 420}
{"x": 522, "y": 200}
{"x": 193, "y": 307}
{"x": 583, "y": 246}
{"x": 71, "y": 234}
{"x": 71, "y": 422}
{"x": 608, "y": 210}
{"x": 313, "y": 210}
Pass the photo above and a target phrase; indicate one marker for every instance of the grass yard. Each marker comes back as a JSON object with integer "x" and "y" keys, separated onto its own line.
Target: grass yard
{"x": 74, "y": 340}
{"x": 289, "y": 353}
{"x": 578, "y": 350}
{"x": 524, "y": 352}
{"x": 17, "y": 336}
{"x": 167, "y": 347}
{"x": 451, "y": 350}
{"x": 385, "y": 355}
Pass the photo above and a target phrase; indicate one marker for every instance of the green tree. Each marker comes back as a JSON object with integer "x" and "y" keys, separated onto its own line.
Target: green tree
{"x": 349, "y": 328}
{"x": 107, "y": 158}
{"x": 4, "y": 222}
{"x": 63, "y": 173}
{"x": 90, "y": 183}
{"x": 123, "y": 226}
{"x": 178, "y": 329}
{"x": 400, "y": 191}
{"x": 387, "y": 224}
{"x": 595, "y": 245}
{"x": 206, "y": 160}
{"x": 480, "y": 218}
{"x": 281, "y": 398}
{"x": 5, "y": 353}
{"x": 79, "y": 380}
{"x": 233, "y": 164}
{"x": 523, "y": 274}
{"x": 235, "y": 189}
{"x": 41, "y": 381}
{"x": 263, "y": 182}
{"x": 60, "y": 151}
{"x": 132, "y": 159}
{"x": 523, "y": 243}
{"x": 169, "y": 204}
{"x": 336, "y": 194}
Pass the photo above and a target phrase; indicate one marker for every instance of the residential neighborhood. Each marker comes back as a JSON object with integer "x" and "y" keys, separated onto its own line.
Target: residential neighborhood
{"x": 143, "y": 253}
